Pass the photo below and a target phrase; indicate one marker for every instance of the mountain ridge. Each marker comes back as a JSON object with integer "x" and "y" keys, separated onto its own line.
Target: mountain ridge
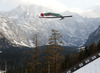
{"x": 75, "y": 30}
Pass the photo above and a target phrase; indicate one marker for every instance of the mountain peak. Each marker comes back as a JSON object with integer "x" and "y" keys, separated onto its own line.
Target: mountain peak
{"x": 33, "y": 8}
{"x": 26, "y": 19}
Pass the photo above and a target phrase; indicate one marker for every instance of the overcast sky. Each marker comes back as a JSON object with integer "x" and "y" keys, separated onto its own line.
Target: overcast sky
{"x": 88, "y": 8}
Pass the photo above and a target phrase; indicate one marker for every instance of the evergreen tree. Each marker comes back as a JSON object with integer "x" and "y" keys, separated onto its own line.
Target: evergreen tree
{"x": 98, "y": 45}
{"x": 34, "y": 61}
{"x": 81, "y": 55}
{"x": 87, "y": 53}
{"x": 92, "y": 48}
{"x": 74, "y": 58}
{"x": 65, "y": 64}
{"x": 53, "y": 55}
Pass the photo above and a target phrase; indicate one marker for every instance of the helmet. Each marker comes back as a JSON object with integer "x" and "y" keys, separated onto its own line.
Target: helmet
{"x": 42, "y": 14}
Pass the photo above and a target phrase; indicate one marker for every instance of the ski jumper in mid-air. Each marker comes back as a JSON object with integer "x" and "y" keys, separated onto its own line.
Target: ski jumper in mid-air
{"x": 52, "y": 15}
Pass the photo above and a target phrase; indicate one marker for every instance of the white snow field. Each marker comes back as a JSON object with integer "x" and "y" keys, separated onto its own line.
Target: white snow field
{"x": 93, "y": 67}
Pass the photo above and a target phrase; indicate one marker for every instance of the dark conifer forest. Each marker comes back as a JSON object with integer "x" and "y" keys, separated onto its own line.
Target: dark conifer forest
{"x": 52, "y": 58}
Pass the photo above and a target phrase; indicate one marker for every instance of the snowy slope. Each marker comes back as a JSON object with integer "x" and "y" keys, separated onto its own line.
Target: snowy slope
{"x": 75, "y": 30}
{"x": 93, "y": 67}
{"x": 12, "y": 32}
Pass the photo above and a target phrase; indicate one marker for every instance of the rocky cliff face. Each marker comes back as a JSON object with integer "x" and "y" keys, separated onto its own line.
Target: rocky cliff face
{"x": 93, "y": 37}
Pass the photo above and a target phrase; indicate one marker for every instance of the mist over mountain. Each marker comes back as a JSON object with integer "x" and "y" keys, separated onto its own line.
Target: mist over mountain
{"x": 26, "y": 23}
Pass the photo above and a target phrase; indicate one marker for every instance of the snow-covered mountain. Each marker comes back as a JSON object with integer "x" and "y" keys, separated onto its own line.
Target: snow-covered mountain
{"x": 12, "y": 32}
{"x": 93, "y": 37}
{"x": 75, "y": 30}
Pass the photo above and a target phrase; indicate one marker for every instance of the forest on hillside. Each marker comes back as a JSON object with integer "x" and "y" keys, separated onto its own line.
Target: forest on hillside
{"x": 51, "y": 58}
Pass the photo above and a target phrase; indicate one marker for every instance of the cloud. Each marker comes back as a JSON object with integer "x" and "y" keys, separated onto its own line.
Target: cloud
{"x": 12, "y": 1}
{"x": 92, "y": 12}
{"x": 76, "y": 10}
{"x": 59, "y": 7}
{"x": 53, "y": 4}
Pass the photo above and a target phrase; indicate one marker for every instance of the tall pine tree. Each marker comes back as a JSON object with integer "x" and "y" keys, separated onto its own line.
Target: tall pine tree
{"x": 34, "y": 61}
{"x": 53, "y": 52}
